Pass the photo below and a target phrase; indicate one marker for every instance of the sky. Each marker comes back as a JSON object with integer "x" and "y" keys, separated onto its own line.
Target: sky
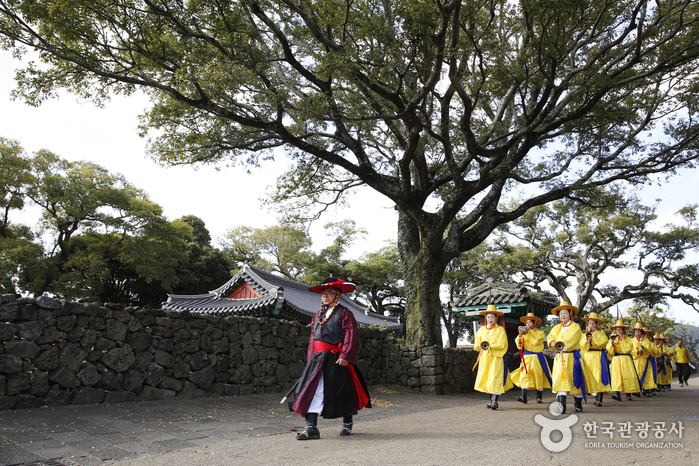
{"x": 224, "y": 198}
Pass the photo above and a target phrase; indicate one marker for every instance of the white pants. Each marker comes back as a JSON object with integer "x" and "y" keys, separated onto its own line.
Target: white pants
{"x": 318, "y": 397}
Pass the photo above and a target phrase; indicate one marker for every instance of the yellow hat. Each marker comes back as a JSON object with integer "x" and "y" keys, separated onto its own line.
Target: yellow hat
{"x": 638, "y": 326}
{"x": 593, "y": 316}
{"x": 530, "y": 316}
{"x": 620, "y": 324}
{"x": 647, "y": 330}
{"x": 565, "y": 305}
{"x": 492, "y": 309}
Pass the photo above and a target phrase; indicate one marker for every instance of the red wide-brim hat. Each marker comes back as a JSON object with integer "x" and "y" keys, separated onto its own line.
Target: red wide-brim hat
{"x": 333, "y": 282}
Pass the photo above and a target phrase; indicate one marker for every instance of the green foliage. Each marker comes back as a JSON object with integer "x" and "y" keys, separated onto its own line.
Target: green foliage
{"x": 441, "y": 107}
{"x": 576, "y": 243}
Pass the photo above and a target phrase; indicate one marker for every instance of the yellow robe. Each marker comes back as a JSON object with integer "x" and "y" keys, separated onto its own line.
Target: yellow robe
{"x": 641, "y": 352}
{"x": 593, "y": 358}
{"x": 564, "y": 362}
{"x": 491, "y": 366}
{"x": 665, "y": 379}
{"x": 534, "y": 377}
{"x": 624, "y": 378}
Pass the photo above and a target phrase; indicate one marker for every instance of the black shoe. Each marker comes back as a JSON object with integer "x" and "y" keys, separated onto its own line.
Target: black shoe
{"x": 598, "y": 399}
{"x": 346, "y": 426}
{"x": 647, "y": 393}
{"x": 638, "y": 394}
{"x": 523, "y": 398}
{"x": 494, "y": 402}
{"x": 578, "y": 404}
{"x": 617, "y": 396}
{"x": 652, "y": 392}
{"x": 539, "y": 394}
{"x": 311, "y": 431}
{"x": 628, "y": 397}
{"x": 562, "y": 400}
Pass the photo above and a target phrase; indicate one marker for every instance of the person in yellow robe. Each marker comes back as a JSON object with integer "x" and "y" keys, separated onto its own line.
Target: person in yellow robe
{"x": 669, "y": 361}
{"x": 623, "y": 371}
{"x": 570, "y": 373}
{"x": 641, "y": 353}
{"x": 493, "y": 374}
{"x": 648, "y": 334}
{"x": 533, "y": 373}
{"x": 594, "y": 352}
{"x": 682, "y": 358}
{"x": 661, "y": 361}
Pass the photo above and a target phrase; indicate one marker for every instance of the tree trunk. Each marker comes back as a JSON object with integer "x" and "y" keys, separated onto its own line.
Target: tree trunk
{"x": 424, "y": 268}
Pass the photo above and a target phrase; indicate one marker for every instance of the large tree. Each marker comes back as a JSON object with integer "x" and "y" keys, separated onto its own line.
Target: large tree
{"x": 439, "y": 106}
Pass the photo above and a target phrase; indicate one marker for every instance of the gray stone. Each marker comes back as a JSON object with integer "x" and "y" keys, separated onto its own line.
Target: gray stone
{"x": 132, "y": 380}
{"x": 110, "y": 380}
{"x": 139, "y": 341}
{"x": 30, "y": 330}
{"x": 203, "y": 378}
{"x": 10, "y": 364}
{"x": 64, "y": 377}
{"x": 249, "y": 355}
{"x": 156, "y": 394}
{"x": 242, "y": 374}
{"x": 181, "y": 369}
{"x": 27, "y": 401}
{"x": 28, "y": 312}
{"x": 57, "y": 398}
{"x": 21, "y": 349}
{"x": 102, "y": 344}
{"x": 154, "y": 375}
{"x": 88, "y": 339}
{"x": 199, "y": 360}
{"x": 47, "y": 360}
{"x": 8, "y": 298}
{"x": 8, "y": 312}
{"x": 116, "y": 330}
{"x": 40, "y": 385}
{"x": 7, "y": 402}
{"x": 45, "y": 302}
{"x": 119, "y": 359}
{"x": 72, "y": 357}
{"x": 143, "y": 360}
{"x": 17, "y": 383}
{"x": 163, "y": 358}
{"x": 190, "y": 346}
{"x": 88, "y": 396}
{"x": 190, "y": 390}
{"x": 51, "y": 335}
{"x": 7, "y": 331}
{"x": 70, "y": 308}
{"x": 89, "y": 376}
{"x": 120, "y": 397}
{"x": 170, "y": 383}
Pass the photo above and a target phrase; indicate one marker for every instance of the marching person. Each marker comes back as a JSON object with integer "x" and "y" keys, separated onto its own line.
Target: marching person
{"x": 493, "y": 374}
{"x": 594, "y": 352}
{"x": 682, "y": 361}
{"x": 652, "y": 359}
{"x": 662, "y": 362}
{"x": 330, "y": 385}
{"x": 623, "y": 371}
{"x": 570, "y": 373}
{"x": 533, "y": 373}
{"x": 641, "y": 354}
{"x": 669, "y": 362}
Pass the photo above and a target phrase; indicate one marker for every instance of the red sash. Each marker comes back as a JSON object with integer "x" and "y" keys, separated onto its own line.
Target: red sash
{"x": 361, "y": 398}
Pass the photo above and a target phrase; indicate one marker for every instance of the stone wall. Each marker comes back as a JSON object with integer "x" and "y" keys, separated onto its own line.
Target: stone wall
{"x": 57, "y": 353}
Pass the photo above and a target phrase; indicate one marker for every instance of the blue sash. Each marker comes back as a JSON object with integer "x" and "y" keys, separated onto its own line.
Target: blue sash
{"x": 505, "y": 372}
{"x": 606, "y": 378}
{"x": 663, "y": 364}
{"x": 645, "y": 371}
{"x": 655, "y": 370}
{"x": 578, "y": 374}
{"x": 542, "y": 363}
{"x": 640, "y": 383}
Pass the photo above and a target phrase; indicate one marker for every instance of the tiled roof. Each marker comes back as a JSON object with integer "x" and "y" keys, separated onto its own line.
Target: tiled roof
{"x": 299, "y": 303}
{"x": 497, "y": 292}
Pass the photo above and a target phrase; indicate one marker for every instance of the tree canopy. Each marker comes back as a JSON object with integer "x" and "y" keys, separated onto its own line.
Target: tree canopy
{"x": 443, "y": 107}
{"x": 575, "y": 246}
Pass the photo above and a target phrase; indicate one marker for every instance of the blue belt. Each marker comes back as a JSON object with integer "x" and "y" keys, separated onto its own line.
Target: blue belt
{"x": 506, "y": 371}
{"x": 606, "y": 377}
{"x": 663, "y": 364}
{"x": 578, "y": 374}
{"x": 655, "y": 370}
{"x": 542, "y": 363}
{"x": 640, "y": 382}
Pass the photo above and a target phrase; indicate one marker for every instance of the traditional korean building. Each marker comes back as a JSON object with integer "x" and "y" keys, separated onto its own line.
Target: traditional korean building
{"x": 513, "y": 300}
{"x": 254, "y": 292}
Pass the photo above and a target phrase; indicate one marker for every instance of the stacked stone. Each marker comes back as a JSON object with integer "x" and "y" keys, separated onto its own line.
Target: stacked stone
{"x": 56, "y": 353}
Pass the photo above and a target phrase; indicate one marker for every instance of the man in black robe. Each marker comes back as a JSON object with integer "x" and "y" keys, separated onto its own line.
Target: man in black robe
{"x": 331, "y": 384}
